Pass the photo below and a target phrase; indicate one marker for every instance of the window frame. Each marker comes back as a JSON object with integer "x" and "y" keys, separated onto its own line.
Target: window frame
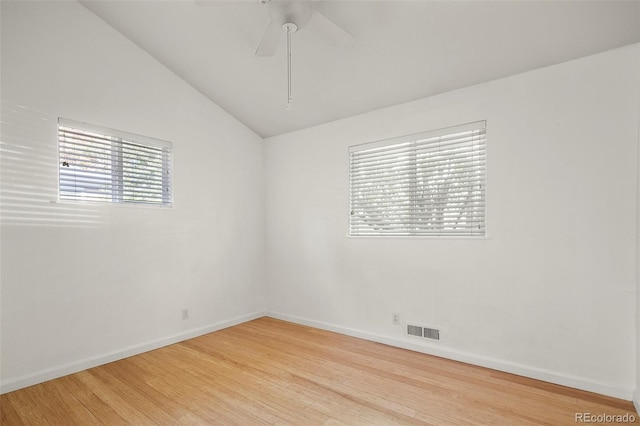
{"x": 476, "y": 125}
{"x": 123, "y": 138}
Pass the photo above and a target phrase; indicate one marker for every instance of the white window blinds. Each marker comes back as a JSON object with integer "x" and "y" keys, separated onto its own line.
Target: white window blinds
{"x": 430, "y": 184}
{"x": 98, "y": 164}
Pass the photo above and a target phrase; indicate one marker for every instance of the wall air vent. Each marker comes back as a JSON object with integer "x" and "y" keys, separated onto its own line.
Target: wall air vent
{"x": 431, "y": 333}
{"x": 420, "y": 331}
{"x": 414, "y": 330}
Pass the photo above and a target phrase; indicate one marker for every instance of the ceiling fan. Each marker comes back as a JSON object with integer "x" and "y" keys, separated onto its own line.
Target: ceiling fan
{"x": 290, "y": 16}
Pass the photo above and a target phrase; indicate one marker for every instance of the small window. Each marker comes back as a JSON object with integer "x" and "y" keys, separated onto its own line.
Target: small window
{"x": 430, "y": 184}
{"x": 98, "y": 164}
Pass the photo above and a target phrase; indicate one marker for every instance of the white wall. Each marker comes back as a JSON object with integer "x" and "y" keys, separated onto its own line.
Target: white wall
{"x": 636, "y": 396}
{"x": 83, "y": 284}
{"x": 550, "y": 294}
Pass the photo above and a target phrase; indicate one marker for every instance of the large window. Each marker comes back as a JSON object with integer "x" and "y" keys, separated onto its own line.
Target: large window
{"x": 430, "y": 184}
{"x": 98, "y": 164}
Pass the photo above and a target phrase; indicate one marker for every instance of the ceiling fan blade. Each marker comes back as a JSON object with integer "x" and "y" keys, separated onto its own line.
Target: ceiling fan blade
{"x": 332, "y": 30}
{"x": 270, "y": 40}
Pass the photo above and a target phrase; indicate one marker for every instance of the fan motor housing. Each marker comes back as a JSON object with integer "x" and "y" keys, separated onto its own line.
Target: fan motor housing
{"x": 294, "y": 12}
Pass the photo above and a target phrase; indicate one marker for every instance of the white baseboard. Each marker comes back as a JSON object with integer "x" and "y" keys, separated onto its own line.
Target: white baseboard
{"x": 83, "y": 364}
{"x": 636, "y": 400}
{"x": 470, "y": 358}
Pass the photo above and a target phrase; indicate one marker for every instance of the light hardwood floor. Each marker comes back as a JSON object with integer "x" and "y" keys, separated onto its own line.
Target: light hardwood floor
{"x": 269, "y": 371}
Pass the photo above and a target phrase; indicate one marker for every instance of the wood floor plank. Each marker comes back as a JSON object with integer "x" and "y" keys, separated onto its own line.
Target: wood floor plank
{"x": 178, "y": 386}
{"x": 48, "y": 402}
{"x": 74, "y": 412}
{"x": 139, "y": 378}
{"x": 8, "y": 414}
{"x": 269, "y": 371}
{"x": 156, "y": 414}
{"x": 28, "y": 411}
{"x": 112, "y": 398}
{"x": 99, "y": 408}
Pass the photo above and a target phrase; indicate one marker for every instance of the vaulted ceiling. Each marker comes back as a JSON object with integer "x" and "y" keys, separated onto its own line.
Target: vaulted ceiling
{"x": 400, "y": 50}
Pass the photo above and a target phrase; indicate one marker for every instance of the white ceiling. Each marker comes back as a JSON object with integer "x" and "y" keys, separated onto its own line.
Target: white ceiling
{"x": 402, "y": 50}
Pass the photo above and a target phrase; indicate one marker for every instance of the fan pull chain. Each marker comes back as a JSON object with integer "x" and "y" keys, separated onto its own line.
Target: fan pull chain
{"x": 290, "y": 28}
